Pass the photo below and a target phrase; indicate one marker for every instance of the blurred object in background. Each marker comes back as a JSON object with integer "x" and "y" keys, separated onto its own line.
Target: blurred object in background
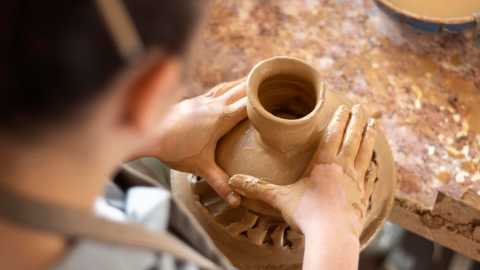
{"x": 397, "y": 249}
{"x": 158, "y": 167}
{"x": 387, "y": 239}
{"x": 449, "y": 16}
{"x": 435, "y": 16}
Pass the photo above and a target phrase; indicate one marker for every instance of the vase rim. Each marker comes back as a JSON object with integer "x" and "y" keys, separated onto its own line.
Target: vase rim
{"x": 253, "y": 99}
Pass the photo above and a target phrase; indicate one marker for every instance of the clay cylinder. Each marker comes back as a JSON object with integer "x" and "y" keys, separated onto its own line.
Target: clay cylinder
{"x": 285, "y": 96}
{"x": 285, "y": 101}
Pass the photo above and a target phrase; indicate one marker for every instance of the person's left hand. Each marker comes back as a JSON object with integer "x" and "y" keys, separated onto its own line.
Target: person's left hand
{"x": 189, "y": 134}
{"x": 334, "y": 191}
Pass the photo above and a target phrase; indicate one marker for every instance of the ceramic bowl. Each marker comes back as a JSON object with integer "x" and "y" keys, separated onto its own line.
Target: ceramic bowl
{"x": 426, "y": 24}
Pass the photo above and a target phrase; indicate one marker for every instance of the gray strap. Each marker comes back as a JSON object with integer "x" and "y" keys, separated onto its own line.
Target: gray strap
{"x": 122, "y": 29}
{"x": 74, "y": 223}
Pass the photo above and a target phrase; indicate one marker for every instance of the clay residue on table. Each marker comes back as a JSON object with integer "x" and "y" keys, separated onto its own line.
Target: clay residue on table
{"x": 424, "y": 89}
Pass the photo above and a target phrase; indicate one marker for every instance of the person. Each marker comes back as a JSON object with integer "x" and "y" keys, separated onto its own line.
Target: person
{"x": 89, "y": 85}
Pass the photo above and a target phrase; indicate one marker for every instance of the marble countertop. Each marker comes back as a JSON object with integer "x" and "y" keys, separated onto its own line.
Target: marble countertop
{"x": 424, "y": 89}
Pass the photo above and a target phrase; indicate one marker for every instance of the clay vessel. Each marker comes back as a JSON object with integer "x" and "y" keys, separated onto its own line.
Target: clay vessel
{"x": 288, "y": 109}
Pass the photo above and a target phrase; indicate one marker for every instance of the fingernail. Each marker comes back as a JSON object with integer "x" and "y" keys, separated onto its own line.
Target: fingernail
{"x": 371, "y": 123}
{"x": 342, "y": 109}
{"x": 237, "y": 178}
{"x": 358, "y": 108}
{"x": 231, "y": 199}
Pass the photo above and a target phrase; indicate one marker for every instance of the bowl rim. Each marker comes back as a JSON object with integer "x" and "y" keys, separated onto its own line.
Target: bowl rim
{"x": 455, "y": 20}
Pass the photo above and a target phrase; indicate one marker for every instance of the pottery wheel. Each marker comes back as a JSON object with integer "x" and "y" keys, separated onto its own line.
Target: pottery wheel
{"x": 256, "y": 241}
{"x": 253, "y": 235}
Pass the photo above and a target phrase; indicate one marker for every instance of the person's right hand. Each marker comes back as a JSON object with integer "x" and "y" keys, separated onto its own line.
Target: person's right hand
{"x": 336, "y": 185}
{"x": 187, "y": 137}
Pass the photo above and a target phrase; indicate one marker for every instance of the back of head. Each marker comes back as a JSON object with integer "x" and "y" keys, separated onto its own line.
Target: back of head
{"x": 57, "y": 56}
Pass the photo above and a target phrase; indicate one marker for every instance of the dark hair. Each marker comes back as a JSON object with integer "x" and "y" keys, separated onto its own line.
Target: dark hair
{"x": 58, "y": 55}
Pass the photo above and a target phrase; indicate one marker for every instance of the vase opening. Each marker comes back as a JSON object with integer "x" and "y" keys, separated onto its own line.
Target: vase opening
{"x": 287, "y": 97}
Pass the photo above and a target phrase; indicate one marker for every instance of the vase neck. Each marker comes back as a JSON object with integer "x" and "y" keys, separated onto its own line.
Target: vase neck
{"x": 285, "y": 98}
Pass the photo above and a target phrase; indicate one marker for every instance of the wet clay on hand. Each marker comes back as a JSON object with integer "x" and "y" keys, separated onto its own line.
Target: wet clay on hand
{"x": 338, "y": 179}
{"x": 190, "y": 132}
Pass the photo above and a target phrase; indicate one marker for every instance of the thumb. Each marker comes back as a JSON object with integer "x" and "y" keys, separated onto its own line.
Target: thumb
{"x": 255, "y": 188}
{"x": 232, "y": 115}
{"x": 370, "y": 177}
{"x": 217, "y": 179}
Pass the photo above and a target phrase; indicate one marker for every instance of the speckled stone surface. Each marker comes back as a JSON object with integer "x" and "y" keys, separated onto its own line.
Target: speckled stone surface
{"x": 424, "y": 89}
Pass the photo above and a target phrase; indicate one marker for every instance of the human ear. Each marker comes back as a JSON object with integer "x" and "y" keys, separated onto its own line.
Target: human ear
{"x": 153, "y": 94}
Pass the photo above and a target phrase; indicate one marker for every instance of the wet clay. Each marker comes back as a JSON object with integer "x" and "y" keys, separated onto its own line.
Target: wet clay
{"x": 330, "y": 169}
{"x": 288, "y": 109}
{"x": 442, "y": 9}
{"x": 287, "y": 97}
{"x": 250, "y": 240}
{"x": 288, "y": 198}
{"x": 247, "y": 185}
{"x": 281, "y": 133}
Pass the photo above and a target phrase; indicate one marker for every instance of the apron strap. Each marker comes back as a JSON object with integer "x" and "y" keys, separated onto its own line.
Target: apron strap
{"x": 78, "y": 224}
